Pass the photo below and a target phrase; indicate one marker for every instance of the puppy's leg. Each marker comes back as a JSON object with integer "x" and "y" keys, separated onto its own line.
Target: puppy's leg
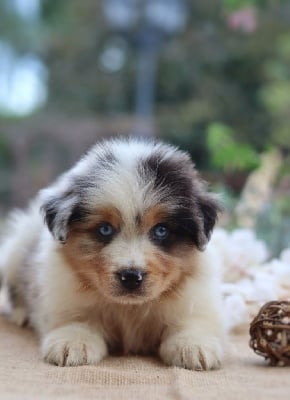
{"x": 195, "y": 348}
{"x": 22, "y": 235}
{"x": 12, "y": 303}
{"x": 73, "y": 344}
{"x": 19, "y": 312}
{"x": 195, "y": 336}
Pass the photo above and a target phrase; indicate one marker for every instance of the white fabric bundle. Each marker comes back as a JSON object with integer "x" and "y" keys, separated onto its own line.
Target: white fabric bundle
{"x": 250, "y": 276}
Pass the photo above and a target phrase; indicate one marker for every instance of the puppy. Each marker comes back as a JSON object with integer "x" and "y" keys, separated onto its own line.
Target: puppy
{"x": 119, "y": 263}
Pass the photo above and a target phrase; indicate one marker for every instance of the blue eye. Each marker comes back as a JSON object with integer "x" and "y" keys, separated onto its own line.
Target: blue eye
{"x": 106, "y": 231}
{"x": 160, "y": 232}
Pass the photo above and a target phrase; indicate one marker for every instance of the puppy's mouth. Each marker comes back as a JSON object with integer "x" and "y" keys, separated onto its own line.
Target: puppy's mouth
{"x": 128, "y": 286}
{"x": 131, "y": 280}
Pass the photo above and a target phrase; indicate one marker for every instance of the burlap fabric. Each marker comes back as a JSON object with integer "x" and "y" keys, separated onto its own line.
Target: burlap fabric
{"x": 24, "y": 376}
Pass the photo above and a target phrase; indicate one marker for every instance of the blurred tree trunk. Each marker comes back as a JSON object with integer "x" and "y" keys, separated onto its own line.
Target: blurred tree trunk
{"x": 258, "y": 189}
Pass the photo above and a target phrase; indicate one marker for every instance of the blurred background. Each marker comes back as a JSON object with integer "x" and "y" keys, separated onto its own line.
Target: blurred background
{"x": 212, "y": 77}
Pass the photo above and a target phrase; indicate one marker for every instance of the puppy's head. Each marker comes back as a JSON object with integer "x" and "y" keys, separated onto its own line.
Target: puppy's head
{"x": 131, "y": 216}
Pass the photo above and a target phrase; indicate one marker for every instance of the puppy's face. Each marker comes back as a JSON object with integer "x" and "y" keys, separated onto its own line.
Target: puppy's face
{"x": 131, "y": 217}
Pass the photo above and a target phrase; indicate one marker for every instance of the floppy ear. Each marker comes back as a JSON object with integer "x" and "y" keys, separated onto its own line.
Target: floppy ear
{"x": 58, "y": 211}
{"x": 208, "y": 208}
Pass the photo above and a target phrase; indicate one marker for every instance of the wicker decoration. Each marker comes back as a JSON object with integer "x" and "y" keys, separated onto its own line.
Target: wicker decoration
{"x": 270, "y": 333}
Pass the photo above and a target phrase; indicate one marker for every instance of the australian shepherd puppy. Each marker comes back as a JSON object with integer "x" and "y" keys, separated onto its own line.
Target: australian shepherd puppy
{"x": 119, "y": 262}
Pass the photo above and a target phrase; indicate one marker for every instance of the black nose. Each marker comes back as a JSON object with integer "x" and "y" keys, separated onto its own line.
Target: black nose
{"x": 131, "y": 279}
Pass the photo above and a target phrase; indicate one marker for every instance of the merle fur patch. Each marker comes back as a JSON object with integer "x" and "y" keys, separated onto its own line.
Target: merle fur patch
{"x": 58, "y": 211}
{"x": 178, "y": 182}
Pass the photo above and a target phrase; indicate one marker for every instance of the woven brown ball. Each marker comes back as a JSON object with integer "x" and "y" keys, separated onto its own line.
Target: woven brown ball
{"x": 270, "y": 333}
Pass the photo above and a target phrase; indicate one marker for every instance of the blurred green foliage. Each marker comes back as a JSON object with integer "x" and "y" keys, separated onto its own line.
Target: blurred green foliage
{"x": 6, "y": 156}
{"x": 275, "y": 93}
{"x": 222, "y": 85}
{"x": 227, "y": 153}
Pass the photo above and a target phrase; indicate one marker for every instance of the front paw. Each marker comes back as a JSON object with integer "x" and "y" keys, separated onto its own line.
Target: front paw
{"x": 72, "y": 345}
{"x": 186, "y": 352}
